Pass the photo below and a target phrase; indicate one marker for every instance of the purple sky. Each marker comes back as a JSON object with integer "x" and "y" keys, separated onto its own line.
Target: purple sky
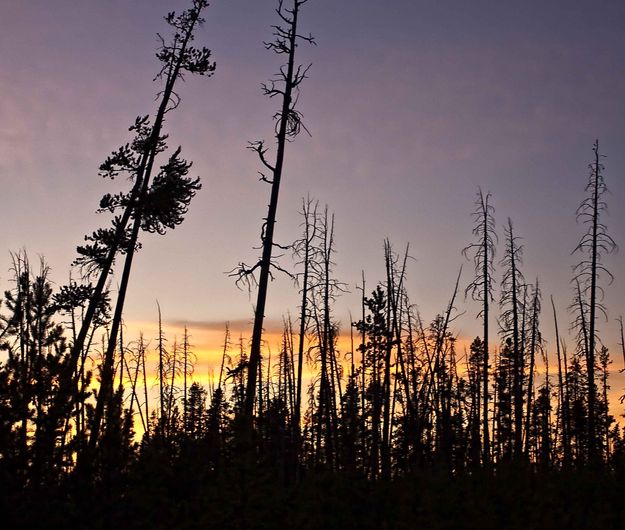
{"x": 411, "y": 106}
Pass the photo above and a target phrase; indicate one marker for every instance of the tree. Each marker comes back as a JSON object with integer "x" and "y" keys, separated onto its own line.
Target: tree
{"x": 535, "y": 345}
{"x": 481, "y": 288}
{"x": 288, "y": 126}
{"x": 512, "y": 303}
{"x": 563, "y": 394}
{"x": 305, "y": 250}
{"x": 323, "y": 289}
{"x": 36, "y": 351}
{"x": 594, "y": 244}
{"x": 475, "y": 366}
{"x": 503, "y": 441}
{"x": 375, "y": 330}
{"x": 159, "y": 205}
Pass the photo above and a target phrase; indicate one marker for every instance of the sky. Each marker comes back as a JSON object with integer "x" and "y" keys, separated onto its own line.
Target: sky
{"x": 411, "y": 106}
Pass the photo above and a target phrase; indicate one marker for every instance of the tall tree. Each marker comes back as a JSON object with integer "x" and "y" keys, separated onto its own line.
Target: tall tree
{"x": 593, "y": 245}
{"x": 288, "y": 126}
{"x": 136, "y": 160}
{"x": 306, "y": 251}
{"x": 512, "y": 302}
{"x": 534, "y": 346}
{"x": 481, "y": 289}
{"x": 161, "y": 204}
{"x": 35, "y": 348}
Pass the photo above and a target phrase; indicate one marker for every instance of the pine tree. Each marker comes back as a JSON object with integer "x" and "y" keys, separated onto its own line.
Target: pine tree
{"x": 512, "y": 303}
{"x": 594, "y": 244}
{"x": 481, "y": 289}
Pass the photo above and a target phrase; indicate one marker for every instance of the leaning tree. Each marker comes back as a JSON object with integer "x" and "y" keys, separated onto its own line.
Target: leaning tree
{"x": 157, "y": 201}
{"x": 288, "y": 126}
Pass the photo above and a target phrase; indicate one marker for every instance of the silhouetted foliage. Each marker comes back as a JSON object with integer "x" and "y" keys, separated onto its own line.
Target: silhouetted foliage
{"x": 403, "y": 428}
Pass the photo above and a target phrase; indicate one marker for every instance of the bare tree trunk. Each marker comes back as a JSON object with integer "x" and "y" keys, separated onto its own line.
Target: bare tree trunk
{"x": 145, "y": 384}
{"x": 161, "y": 374}
{"x": 310, "y": 233}
{"x": 385, "y": 452}
{"x": 592, "y": 334}
{"x": 595, "y": 243}
{"x": 622, "y": 343}
{"x": 288, "y": 127}
{"x": 566, "y": 443}
{"x": 185, "y": 367}
{"x": 363, "y": 375}
{"x": 530, "y": 385}
{"x": 486, "y": 295}
{"x": 481, "y": 289}
{"x": 518, "y": 352}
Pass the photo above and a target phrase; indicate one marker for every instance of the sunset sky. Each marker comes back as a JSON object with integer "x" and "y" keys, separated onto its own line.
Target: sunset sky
{"x": 411, "y": 106}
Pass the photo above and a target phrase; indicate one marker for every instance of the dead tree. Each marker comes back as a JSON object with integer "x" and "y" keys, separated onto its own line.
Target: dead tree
{"x": 563, "y": 396}
{"x": 481, "y": 289}
{"x": 323, "y": 291}
{"x": 594, "y": 244}
{"x": 306, "y": 251}
{"x": 288, "y": 126}
{"x": 535, "y": 344}
{"x": 512, "y": 304}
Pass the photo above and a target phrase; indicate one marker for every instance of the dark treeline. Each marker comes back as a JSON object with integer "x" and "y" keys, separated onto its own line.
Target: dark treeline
{"x": 395, "y": 427}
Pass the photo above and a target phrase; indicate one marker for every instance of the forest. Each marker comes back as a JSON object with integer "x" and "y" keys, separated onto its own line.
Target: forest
{"x": 384, "y": 421}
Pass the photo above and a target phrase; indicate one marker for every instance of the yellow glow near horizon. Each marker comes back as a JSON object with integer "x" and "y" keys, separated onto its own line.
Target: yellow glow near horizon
{"x": 207, "y": 344}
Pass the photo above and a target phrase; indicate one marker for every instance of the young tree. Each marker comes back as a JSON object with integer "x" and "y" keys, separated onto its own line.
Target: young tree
{"x": 475, "y": 371}
{"x": 188, "y": 362}
{"x": 563, "y": 395}
{"x": 374, "y": 328}
{"x": 503, "y": 440}
{"x": 36, "y": 350}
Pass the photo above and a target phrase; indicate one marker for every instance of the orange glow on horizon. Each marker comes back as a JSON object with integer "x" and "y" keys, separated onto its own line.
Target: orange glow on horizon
{"x": 207, "y": 344}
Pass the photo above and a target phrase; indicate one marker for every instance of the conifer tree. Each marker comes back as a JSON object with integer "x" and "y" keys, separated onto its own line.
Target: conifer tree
{"x": 36, "y": 350}
{"x": 593, "y": 245}
{"x": 512, "y": 303}
{"x": 162, "y": 203}
{"x": 152, "y": 206}
{"x": 481, "y": 289}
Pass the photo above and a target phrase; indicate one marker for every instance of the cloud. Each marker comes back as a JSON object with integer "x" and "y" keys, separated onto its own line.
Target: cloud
{"x": 240, "y": 325}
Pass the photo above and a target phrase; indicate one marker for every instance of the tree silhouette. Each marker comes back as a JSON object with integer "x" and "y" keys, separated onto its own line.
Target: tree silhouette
{"x": 288, "y": 126}
{"x": 305, "y": 250}
{"x": 405, "y": 427}
{"x": 161, "y": 204}
{"x": 512, "y": 302}
{"x": 481, "y": 289}
{"x": 35, "y": 347}
{"x": 594, "y": 244}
